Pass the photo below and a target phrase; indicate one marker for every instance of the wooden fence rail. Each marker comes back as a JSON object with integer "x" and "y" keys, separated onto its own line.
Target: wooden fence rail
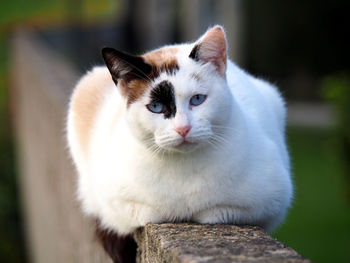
{"x": 56, "y": 229}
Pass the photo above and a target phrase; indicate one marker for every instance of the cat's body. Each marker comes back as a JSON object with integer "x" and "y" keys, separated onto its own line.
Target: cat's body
{"x": 223, "y": 160}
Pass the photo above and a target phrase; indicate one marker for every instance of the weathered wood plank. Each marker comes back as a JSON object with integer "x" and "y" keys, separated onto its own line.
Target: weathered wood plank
{"x": 184, "y": 243}
{"x": 56, "y": 229}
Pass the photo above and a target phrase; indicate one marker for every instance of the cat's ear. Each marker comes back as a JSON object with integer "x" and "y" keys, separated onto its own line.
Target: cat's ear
{"x": 123, "y": 66}
{"x": 211, "y": 47}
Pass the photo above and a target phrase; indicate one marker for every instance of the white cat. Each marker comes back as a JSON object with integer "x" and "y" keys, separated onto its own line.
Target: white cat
{"x": 179, "y": 134}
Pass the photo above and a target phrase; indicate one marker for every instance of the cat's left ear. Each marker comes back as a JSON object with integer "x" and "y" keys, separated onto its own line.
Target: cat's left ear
{"x": 123, "y": 66}
{"x": 211, "y": 47}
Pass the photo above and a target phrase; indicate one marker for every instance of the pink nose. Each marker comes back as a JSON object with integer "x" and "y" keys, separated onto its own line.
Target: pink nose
{"x": 183, "y": 130}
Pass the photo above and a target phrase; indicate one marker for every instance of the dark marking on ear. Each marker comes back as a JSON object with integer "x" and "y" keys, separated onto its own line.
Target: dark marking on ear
{"x": 131, "y": 72}
{"x": 124, "y": 66}
{"x": 164, "y": 93}
{"x": 211, "y": 48}
{"x": 122, "y": 249}
{"x": 195, "y": 52}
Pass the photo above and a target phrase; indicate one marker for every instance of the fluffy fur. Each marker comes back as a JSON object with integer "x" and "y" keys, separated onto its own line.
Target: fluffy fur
{"x": 134, "y": 167}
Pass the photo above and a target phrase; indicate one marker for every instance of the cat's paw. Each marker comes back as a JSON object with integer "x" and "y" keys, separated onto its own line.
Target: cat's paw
{"x": 144, "y": 213}
{"x": 216, "y": 215}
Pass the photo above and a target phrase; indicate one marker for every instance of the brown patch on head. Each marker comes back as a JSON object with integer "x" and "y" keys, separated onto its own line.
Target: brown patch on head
{"x": 136, "y": 88}
{"x": 162, "y": 60}
{"x": 132, "y": 74}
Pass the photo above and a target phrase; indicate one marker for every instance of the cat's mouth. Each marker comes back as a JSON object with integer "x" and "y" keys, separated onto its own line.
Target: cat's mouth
{"x": 183, "y": 146}
{"x": 186, "y": 142}
{"x": 180, "y": 144}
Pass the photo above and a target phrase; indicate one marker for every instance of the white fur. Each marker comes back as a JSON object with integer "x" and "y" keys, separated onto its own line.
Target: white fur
{"x": 238, "y": 172}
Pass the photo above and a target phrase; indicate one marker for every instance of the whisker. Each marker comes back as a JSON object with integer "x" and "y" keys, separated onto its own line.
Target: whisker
{"x": 225, "y": 127}
{"x": 213, "y": 144}
{"x": 168, "y": 141}
{"x": 220, "y": 139}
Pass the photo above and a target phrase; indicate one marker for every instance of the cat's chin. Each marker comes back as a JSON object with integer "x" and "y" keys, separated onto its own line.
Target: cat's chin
{"x": 186, "y": 147}
{"x": 182, "y": 147}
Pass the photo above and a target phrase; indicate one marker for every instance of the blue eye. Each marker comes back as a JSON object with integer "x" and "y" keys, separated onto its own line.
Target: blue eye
{"x": 155, "y": 107}
{"x": 197, "y": 99}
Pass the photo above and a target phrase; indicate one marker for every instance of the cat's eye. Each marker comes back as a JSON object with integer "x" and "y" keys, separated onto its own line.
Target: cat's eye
{"x": 156, "y": 107}
{"x": 197, "y": 99}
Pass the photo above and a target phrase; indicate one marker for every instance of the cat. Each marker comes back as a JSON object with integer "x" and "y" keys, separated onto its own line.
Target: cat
{"x": 179, "y": 134}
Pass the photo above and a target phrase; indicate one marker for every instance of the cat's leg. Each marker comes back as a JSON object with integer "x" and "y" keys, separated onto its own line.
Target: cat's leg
{"x": 238, "y": 216}
{"x": 145, "y": 213}
{"x": 121, "y": 249}
{"x": 227, "y": 215}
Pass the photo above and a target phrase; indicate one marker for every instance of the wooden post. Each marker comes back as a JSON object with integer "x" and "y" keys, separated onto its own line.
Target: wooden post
{"x": 56, "y": 229}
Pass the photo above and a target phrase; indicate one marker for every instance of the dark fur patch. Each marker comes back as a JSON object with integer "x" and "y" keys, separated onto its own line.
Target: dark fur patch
{"x": 170, "y": 68}
{"x": 134, "y": 73}
{"x": 124, "y": 66}
{"x": 195, "y": 52}
{"x": 162, "y": 60}
{"x": 122, "y": 249}
{"x": 164, "y": 93}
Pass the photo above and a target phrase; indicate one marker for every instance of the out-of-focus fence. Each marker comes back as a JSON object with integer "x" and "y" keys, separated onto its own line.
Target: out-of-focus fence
{"x": 41, "y": 84}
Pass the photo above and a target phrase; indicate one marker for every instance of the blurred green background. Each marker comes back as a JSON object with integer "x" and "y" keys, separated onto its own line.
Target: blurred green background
{"x": 300, "y": 45}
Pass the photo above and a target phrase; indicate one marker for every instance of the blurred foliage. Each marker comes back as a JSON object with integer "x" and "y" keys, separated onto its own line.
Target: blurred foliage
{"x": 336, "y": 89}
{"x": 296, "y": 42}
{"x": 317, "y": 225}
{"x": 11, "y": 232}
{"x": 48, "y": 12}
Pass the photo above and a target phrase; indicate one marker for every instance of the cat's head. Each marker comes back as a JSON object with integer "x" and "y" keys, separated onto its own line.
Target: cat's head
{"x": 176, "y": 97}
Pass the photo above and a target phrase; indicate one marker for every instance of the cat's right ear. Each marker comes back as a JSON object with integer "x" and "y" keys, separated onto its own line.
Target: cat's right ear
{"x": 211, "y": 47}
{"x": 125, "y": 67}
